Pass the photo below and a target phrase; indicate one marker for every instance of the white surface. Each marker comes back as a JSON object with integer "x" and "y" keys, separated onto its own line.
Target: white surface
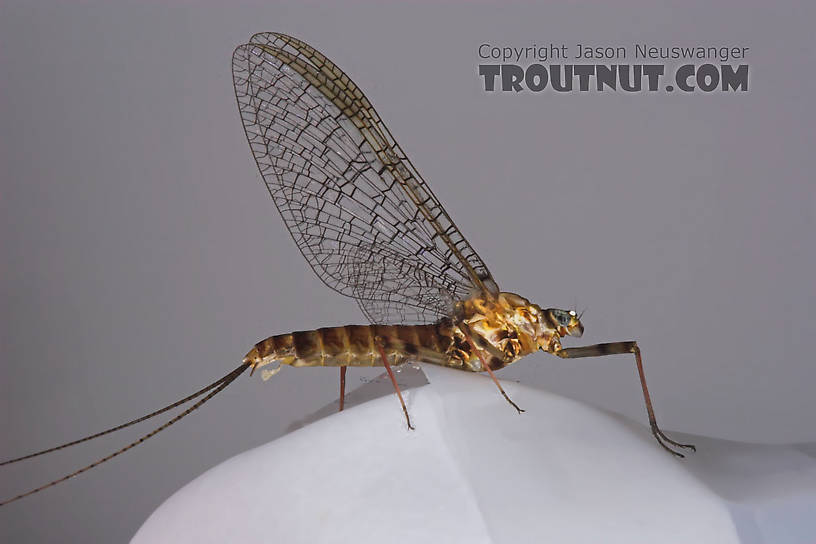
{"x": 476, "y": 471}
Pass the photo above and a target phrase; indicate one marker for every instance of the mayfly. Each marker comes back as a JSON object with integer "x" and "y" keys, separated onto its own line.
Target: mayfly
{"x": 371, "y": 229}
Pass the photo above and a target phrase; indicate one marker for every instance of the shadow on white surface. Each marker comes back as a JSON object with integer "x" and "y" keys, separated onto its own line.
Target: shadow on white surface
{"x": 476, "y": 471}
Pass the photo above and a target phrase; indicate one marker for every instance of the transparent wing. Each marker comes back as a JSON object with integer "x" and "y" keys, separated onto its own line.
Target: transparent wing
{"x": 356, "y": 207}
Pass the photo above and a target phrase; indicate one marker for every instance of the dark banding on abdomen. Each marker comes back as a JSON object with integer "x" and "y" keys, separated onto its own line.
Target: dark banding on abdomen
{"x": 307, "y": 345}
{"x": 360, "y": 339}
{"x": 359, "y": 345}
{"x": 333, "y": 343}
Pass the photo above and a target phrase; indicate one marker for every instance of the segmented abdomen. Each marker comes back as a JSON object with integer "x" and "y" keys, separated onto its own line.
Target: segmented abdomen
{"x": 357, "y": 345}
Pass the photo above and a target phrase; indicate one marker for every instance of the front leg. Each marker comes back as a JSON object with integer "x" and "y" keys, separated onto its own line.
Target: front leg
{"x": 617, "y": 348}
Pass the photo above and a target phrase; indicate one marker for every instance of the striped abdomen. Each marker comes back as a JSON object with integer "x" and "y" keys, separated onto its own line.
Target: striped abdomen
{"x": 357, "y": 345}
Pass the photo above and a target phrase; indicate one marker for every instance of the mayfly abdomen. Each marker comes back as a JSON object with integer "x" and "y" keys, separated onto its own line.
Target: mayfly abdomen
{"x": 355, "y": 345}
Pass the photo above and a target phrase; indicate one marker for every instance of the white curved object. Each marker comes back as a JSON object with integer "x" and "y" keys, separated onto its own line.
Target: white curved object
{"x": 475, "y": 471}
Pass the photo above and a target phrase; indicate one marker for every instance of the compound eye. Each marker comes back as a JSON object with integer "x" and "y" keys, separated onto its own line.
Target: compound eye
{"x": 562, "y": 317}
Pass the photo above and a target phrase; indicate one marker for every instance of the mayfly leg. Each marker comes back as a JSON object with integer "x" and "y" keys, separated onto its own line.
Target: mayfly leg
{"x": 489, "y": 371}
{"x": 342, "y": 387}
{"x": 379, "y": 343}
{"x": 618, "y": 348}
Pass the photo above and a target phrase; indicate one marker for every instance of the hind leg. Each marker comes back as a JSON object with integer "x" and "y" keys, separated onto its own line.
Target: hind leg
{"x": 342, "y": 387}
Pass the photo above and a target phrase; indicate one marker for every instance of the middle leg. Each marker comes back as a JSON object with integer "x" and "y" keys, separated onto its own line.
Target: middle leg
{"x": 393, "y": 381}
{"x": 490, "y": 371}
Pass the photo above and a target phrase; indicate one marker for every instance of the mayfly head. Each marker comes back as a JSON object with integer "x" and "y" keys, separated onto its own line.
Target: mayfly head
{"x": 568, "y": 322}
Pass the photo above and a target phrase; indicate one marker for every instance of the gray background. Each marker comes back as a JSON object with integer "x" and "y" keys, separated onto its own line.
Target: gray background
{"x": 142, "y": 257}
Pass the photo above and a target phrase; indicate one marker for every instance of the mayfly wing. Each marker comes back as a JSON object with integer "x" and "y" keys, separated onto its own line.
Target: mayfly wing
{"x": 394, "y": 158}
{"x": 358, "y": 210}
